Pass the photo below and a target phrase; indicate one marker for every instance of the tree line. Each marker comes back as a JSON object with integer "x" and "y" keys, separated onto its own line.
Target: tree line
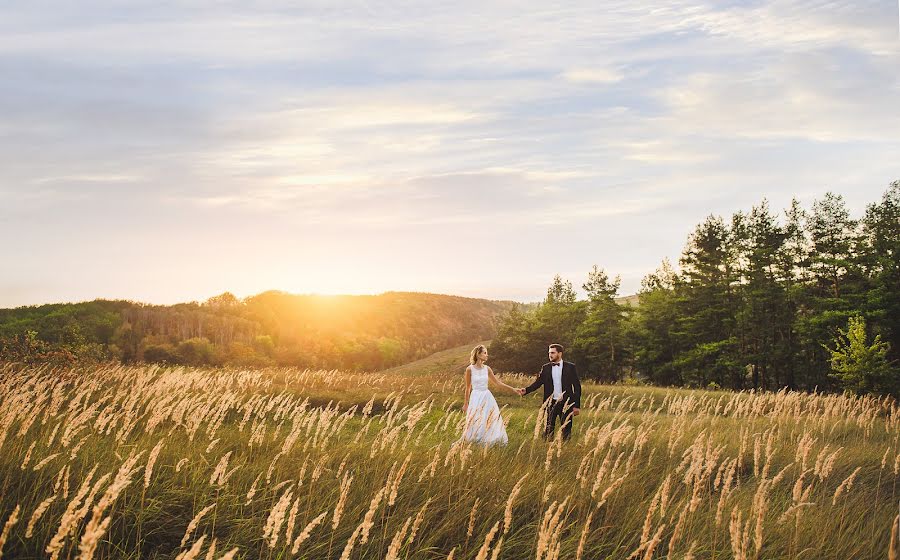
{"x": 271, "y": 328}
{"x": 808, "y": 298}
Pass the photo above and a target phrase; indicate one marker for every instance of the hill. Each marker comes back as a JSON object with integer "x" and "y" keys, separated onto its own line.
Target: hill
{"x": 631, "y": 301}
{"x": 453, "y": 360}
{"x": 272, "y": 328}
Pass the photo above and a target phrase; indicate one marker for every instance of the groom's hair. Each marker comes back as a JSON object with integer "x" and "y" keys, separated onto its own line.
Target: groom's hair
{"x": 557, "y": 347}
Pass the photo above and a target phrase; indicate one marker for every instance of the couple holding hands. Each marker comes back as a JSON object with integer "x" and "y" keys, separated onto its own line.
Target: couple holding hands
{"x": 562, "y": 397}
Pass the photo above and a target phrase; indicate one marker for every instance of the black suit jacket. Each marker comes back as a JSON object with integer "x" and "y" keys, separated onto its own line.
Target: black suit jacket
{"x": 570, "y": 383}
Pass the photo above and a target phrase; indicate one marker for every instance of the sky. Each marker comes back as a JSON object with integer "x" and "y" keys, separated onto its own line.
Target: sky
{"x": 170, "y": 151}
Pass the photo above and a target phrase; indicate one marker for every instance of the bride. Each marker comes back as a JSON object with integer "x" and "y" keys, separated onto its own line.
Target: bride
{"x": 483, "y": 422}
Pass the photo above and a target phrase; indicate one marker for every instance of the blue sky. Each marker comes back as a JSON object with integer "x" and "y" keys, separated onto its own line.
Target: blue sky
{"x": 169, "y": 151}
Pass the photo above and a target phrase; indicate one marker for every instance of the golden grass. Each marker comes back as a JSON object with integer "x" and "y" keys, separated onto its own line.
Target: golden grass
{"x": 151, "y": 462}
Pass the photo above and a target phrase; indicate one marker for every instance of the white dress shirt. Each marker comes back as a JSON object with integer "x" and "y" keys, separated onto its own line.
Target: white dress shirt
{"x": 556, "y": 373}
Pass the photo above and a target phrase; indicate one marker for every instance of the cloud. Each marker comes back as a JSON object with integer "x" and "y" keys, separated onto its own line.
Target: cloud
{"x": 831, "y": 97}
{"x": 352, "y": 129}
{"x": 592, "y": 75}
{"x": 802, "y": 24}
{"x": 89, "y": 178}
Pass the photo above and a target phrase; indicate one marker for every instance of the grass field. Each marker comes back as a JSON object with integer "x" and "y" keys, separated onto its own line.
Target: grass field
{"x": 150, "y": 462}
{"x": 441, "y": 364}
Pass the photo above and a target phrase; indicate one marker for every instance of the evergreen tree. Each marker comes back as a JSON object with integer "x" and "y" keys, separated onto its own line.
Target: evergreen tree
{"x": 557, "y": 319}
{"x": 598, "y": 339}
{"x": 708, "y": 307}
{"x": 832, "y": 293}
{"x": 791, "y": 262}
{"x": 651, "y": 329}
{"x": 560, "y": 292}
{"x": 513, "y": 348}
{"x": 753, "y": 305}
{"x": 833, "y": 237}
{"x": 861, "y": 367}
{"x": 762, "y": 314}
{"x": 881, "y": 233}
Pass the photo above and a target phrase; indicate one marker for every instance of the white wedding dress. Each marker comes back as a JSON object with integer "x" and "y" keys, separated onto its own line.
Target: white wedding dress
{"x": 483, "y": 422}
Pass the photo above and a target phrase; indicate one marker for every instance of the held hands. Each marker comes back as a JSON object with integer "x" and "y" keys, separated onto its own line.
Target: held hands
{"x": 520, "y": 391}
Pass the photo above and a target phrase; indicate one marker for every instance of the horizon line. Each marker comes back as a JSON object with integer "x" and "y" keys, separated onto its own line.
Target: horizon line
{"x": 294, "y": 294}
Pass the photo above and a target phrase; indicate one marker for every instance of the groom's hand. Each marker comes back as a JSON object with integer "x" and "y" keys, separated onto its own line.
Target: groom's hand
{"x": 576, "y": 411}
{"x": 521, "y": 391}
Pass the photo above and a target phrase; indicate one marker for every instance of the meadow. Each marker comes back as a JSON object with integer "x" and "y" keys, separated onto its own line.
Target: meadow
{"x": 175, "y": 462}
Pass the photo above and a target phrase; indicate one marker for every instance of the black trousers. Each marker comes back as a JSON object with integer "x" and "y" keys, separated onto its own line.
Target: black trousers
{"x": 558, "y": 409}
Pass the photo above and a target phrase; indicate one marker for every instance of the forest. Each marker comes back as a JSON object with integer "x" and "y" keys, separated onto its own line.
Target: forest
{"x": 268, "y": 329}
{"x": 808, "y": 299}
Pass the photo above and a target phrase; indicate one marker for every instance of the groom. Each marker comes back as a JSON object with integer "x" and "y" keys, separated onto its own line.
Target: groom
{"x": 562, "y": 392}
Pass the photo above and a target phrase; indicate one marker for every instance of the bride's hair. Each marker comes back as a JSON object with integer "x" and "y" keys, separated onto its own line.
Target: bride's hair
{"x": 473, "y": 359}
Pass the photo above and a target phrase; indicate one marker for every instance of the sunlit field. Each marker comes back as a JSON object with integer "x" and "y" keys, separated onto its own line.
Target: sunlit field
{"x": 153, "y": 462}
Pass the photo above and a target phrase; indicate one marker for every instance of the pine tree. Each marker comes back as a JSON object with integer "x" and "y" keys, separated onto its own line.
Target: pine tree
{"x": 791, "y": 262}
{"x": 560, "y": 292}
{"x": 708, "y": 307}
{"x": 763, "y": 299}
{"x": 859, "y": 366}
{"x": 598, "y": 339}
{"x": 652, "y": 328}
{"x": 881, "y": 232}
{"x": 834, "y": 292}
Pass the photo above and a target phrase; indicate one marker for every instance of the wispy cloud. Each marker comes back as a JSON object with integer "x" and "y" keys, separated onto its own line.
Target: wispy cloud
{"x": 593, "y": 75}
{"x": 88, "y": 178}
{"x": 340, "y": 134}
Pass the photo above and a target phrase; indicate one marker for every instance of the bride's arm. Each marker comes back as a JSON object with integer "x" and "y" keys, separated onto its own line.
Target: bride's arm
{"x": 468, "y": 376}
{"x": 494, "y": 378}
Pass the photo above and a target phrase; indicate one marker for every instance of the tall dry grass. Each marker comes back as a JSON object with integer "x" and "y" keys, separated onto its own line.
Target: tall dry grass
{"x": 153, "y": 462}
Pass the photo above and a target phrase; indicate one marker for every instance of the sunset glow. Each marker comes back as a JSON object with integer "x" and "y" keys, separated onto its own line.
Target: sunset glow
{"x": 168, "y": 155}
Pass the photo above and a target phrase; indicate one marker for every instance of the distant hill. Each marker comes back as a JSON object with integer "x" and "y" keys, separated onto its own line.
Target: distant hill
{"x": 451, "y": 361}
{"x": 271, "y": 328}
